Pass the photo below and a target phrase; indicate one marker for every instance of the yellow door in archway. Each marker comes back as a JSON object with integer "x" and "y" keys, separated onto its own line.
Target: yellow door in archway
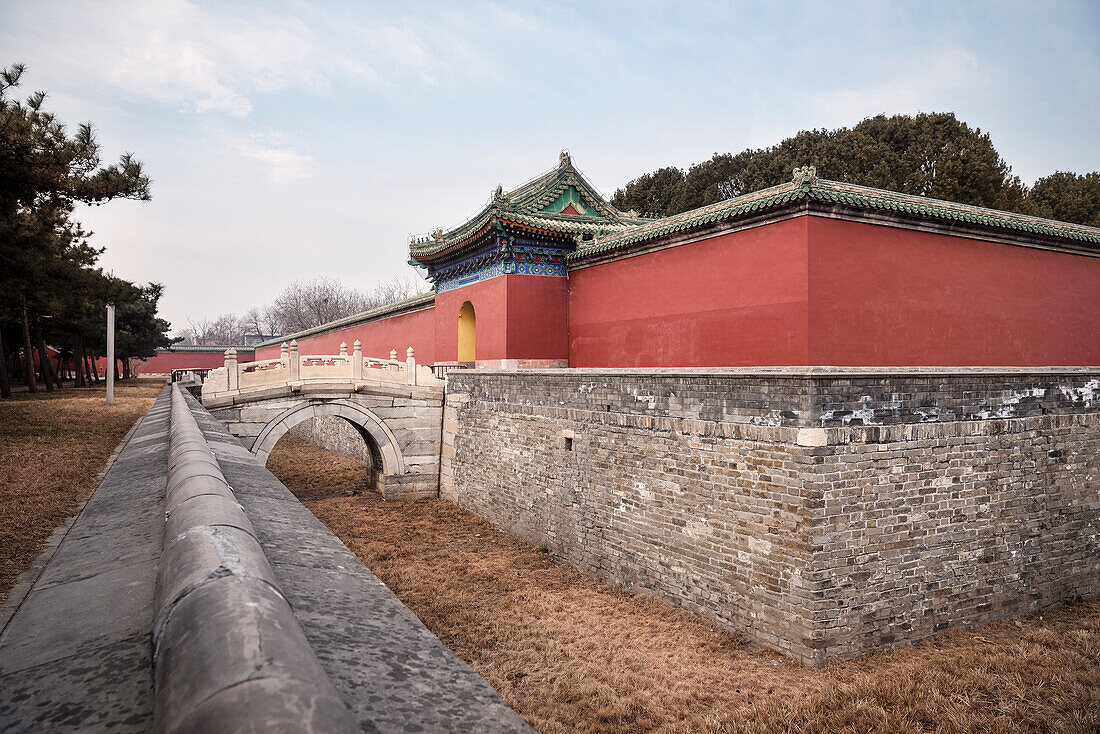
{"x": 467, "y": 333}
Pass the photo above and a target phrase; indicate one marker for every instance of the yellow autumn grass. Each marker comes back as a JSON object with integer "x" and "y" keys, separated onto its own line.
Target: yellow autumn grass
{"x": 52, "y": 446}
{"x": 571, "y": 653}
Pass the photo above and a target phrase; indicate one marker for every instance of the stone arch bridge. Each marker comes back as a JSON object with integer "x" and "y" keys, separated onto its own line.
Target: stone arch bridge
{"x": 395, "y": 407}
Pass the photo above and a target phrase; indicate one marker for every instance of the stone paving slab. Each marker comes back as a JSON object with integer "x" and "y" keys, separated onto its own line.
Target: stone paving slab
{"x": 76, "y": 654}
{"x": 394, "y": 674}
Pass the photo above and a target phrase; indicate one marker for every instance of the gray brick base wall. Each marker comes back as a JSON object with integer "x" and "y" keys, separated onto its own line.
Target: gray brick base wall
{"x": 824, "y": 514}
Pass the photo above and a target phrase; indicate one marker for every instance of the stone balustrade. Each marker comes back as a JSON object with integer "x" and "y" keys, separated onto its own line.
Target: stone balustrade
{"x": 294, "y": 369}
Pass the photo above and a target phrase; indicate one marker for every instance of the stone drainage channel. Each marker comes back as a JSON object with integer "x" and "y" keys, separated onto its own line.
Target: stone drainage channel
{"x": 195, "y": 593}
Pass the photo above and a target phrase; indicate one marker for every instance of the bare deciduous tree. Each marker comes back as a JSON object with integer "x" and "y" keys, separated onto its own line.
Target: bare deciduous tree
{"x": 225, "y": 329}
{"x": 301, "y": 305}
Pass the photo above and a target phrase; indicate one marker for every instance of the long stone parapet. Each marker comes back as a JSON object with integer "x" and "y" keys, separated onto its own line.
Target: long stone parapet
{"x": 228, "y": 652}
{"x": 295, "y": 371}
{"x": 390, "y": 669}
{"x": 261, "y": 619}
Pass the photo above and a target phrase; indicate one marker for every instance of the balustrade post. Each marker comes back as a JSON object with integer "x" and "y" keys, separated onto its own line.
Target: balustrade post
{"x": 410, "y": 366}
{"x": 343, "y": 349}
{"x": 231, "y": 369}
{"x": 282, "y": 354}
{"x": 357, "y": 361}
{"x": 393, "y": 358}
{"x": 295, "y": 363}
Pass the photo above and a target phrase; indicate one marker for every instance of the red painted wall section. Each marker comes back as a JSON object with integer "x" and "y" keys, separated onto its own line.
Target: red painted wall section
{"x": 490, "y": 301}
{"x": 164, "y": 362}
{"x": 538, "y": 318}
{"x": 416, "y": 330}
{"x": 886, "y": 296}
{"x": 732, "y": 300}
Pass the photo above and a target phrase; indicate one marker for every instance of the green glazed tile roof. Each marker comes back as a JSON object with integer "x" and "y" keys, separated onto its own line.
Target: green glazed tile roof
{"x": 527, "y": 205}
{"x": 806, "y": 186}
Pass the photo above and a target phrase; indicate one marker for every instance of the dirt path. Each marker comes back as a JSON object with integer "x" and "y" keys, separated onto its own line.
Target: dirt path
{"x": 572, "y": 653}
{"x": 52, "y": 446}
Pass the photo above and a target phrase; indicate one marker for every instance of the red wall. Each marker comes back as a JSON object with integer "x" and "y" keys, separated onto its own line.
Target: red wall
{"x": 887, "y": 296}
{"x": 735, "y": 299}
{"x": 490, "y": 301}
{"x": 538, "y": 317}
{"x": 416, "y": 330}
{"x": 518, "y": 317}
{"x": 805, "y": 291}
{"x": 521, "y": 317}
{"x": 164, "y": 362}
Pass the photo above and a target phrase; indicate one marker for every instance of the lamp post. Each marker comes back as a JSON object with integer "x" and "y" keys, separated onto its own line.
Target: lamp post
{"x": 110, "y": 354}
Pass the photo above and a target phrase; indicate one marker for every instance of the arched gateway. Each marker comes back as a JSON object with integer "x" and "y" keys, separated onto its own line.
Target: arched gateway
{"x": 397, "y": 408}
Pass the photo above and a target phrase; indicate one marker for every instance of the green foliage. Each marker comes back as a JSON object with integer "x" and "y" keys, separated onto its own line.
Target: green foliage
{"x": 46, "y": 260}
{"x": 934, "y": 155}
{"x": 1068, "y": 196}
{"x": 40, "y": 164}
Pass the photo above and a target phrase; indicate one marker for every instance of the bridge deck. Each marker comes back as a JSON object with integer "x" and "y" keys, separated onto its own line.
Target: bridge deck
{"x": 76, "y": 655}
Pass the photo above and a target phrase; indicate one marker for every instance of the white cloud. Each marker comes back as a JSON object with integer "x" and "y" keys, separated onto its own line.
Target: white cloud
{"x": 912, "y": 84}
{"x": 219, "y": 58}
{"x": 281, "y": 163}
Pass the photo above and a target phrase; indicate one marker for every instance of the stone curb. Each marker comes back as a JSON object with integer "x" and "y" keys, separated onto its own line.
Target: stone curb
{"x": 226, "y": 644}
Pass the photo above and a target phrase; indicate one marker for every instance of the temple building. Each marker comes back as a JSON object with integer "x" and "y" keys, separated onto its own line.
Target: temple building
{"x": 808, "y": 272}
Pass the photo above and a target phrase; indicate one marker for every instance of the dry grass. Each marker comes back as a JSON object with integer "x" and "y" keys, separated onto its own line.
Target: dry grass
{"x": 572, "y": 653}
{"x": 52, "y": 446}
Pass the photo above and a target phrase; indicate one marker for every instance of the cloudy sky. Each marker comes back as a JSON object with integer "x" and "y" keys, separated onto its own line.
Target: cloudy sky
{"x": 292, "y": 140}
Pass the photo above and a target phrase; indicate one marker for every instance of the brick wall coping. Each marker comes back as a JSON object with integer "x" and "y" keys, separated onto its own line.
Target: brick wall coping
{"x": 779, "y": 371}
{"x": 228, "y": 652}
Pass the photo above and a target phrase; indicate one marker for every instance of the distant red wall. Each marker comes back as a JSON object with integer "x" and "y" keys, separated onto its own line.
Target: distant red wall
{"x": 736, "y": 299}
{"x": 164, "y": 362}
{"x": 416, "y": 330}
{"x": 888, "y": 296}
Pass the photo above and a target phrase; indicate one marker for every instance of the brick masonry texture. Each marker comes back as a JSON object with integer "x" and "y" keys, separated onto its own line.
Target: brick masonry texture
{"x": 821, "y": 514}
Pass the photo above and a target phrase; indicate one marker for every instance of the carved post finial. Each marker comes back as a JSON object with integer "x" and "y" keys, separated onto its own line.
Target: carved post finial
{"x": 343, "y": 349}
{"x": 410, "y": 365}
{"x": 357, "y": 361}
{"x": 393, "y": 354}
{"x": 295, "y": 364}
{"x": 231, "y": 368}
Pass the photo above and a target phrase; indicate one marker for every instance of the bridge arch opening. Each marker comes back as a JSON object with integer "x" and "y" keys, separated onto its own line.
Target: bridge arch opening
{"x": 467, "y": 333}
{"x": 339, "y": 435}
{"x": 381, "y": 445}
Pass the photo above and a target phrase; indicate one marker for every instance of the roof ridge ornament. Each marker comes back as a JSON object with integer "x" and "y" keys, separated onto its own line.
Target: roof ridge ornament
{"x": 564, "y": 159}
{"x": 804, "y": 176}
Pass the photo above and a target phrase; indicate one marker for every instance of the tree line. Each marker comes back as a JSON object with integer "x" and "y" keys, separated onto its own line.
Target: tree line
{"x": 301, "y": 305}
{"x": 934, "y": 155}
{"x": 52, "y": 292}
